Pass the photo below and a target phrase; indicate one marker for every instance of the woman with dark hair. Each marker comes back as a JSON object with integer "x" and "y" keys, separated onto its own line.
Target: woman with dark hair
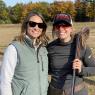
{"x": 25, "y": 64}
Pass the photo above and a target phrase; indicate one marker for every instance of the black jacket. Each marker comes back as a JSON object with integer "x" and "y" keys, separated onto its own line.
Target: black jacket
{"x": 61, "y": 56}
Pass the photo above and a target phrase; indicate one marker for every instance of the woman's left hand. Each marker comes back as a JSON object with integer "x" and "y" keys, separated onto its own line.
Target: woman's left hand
{"x": 77, "y": 64}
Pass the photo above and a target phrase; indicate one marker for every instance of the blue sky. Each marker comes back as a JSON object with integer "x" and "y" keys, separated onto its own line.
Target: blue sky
{"x": 13, "y": 2}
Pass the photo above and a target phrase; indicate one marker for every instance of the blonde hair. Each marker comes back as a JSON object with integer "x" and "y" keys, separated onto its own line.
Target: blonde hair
{"x": 85, "y": 31}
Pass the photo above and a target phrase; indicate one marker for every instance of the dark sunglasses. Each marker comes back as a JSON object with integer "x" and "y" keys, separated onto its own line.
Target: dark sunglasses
{"x": 33, "y": 24}
{"x": 61, "y": 25}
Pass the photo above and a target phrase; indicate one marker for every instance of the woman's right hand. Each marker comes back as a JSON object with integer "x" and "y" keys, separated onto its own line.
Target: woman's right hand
{"x": 77, "y": 64}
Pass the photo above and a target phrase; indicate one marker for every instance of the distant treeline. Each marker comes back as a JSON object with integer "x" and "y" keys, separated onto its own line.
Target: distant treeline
{"x": 81, "y": 10}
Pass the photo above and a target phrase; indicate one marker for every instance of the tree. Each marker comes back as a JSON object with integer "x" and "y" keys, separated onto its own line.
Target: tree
{"x": 62, "y": 7}
{"x": 41, "y": 7}
{"x": 92, "y": 9}
{"x": 16, "y": 13}
{"x": 81, "y": 7}
{"x": 4, "y": 16}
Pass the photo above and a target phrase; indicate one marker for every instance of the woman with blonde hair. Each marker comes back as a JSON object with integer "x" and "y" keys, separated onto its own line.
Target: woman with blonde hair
{"x": 25, "y": 64}
{"x": 63, "y": 59}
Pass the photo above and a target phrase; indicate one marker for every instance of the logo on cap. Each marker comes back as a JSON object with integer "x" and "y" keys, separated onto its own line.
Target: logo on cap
{"x": 62, "y": 19}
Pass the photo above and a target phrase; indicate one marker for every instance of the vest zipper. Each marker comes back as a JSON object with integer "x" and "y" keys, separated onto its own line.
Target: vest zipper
{"x": 42, "y": 64}
{"x": 38, "y": 56}
{"x": 39, "y": 67}
{"x": 39, "y": 80}
{"x": 38, "y": 53}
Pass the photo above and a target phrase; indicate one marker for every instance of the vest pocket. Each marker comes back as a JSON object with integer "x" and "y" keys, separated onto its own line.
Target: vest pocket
{"x": 44, "y": 60}
{"x": 19, "y": 87}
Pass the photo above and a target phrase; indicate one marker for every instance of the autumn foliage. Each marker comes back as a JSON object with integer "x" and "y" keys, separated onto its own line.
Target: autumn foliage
{"x": 80, "y": 11}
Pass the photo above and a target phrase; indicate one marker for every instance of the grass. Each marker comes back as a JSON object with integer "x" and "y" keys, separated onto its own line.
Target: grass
{"x": 9, "y": 31}
{"x": 7, "y": 34}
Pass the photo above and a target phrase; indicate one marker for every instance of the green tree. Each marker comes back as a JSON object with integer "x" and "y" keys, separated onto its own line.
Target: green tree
{"x": 85, "y": 10}
{"x": 16, "y": 13}
{"x": 4, "y": 15}
{"x": 81, "y": 7}
{"x": 91, "y": 9}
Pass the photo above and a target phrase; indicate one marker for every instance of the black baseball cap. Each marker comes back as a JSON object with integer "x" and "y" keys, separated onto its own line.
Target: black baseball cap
{"x": 62, "y": 18}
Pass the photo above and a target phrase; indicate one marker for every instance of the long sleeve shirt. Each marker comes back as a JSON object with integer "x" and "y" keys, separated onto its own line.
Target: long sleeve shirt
{"x": 7, "y": 70}
{"x": 61, "y": 56}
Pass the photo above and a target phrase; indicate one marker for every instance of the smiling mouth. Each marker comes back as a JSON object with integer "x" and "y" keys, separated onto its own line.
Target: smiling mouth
{"x": 61, "y": 33}
{"x": 35, "y": 32}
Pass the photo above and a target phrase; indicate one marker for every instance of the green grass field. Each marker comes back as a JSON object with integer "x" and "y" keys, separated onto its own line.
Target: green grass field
{"x": 8, "y": 32}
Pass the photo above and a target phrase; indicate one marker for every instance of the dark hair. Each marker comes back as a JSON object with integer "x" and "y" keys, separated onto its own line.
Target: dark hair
{"x": 42, "y": 38}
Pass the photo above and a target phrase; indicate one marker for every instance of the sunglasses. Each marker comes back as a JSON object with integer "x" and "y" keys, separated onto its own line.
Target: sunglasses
{"x": 33, "y": 24}
{"x": 61, "y": 25}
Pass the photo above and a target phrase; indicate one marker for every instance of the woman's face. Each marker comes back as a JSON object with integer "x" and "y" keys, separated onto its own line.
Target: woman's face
{"x": 63, "y": 32}
{"x": 35, "y": 27}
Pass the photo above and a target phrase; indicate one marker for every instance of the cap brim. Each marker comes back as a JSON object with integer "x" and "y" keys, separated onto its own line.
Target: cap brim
{"x": 62, "y": 22}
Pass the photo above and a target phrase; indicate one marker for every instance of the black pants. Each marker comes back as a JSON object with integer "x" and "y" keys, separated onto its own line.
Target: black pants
{"x": 54, "y": 91}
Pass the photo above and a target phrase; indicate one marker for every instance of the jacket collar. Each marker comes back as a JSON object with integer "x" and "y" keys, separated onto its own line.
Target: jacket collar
{"x": 60, "y": 42}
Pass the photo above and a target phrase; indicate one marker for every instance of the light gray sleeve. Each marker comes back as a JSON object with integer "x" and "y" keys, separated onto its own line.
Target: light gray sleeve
{"x": 7, "y": 70}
